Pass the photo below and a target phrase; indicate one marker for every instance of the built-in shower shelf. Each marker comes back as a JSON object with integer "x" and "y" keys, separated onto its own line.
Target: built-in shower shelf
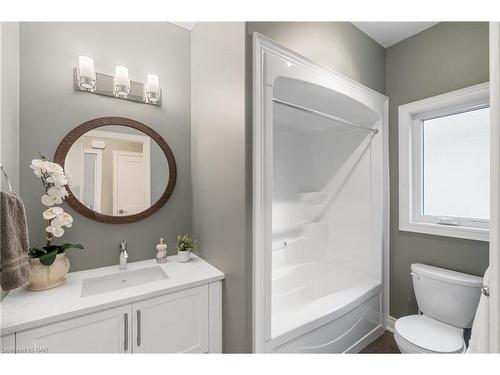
{"x": 311, "y": 222}
{"x": 313, "y": 197}
{"x": 280, "y": 245}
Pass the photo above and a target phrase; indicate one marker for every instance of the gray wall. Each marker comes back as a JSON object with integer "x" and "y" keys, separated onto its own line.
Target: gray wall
{"x": 50, "y": 108}
{"x": 221, "y": 182}
{"x": 10, "y": 101}
{"x": 443, "y": 58}
{"x": 9, "y": 104}
{"x": 337, "y": 45}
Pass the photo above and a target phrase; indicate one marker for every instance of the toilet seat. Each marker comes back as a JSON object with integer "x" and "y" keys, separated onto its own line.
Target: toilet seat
{"x": 421, "y": 334}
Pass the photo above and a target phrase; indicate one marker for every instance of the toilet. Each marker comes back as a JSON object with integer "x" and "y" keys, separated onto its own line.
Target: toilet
{"x": 447, "y": 301}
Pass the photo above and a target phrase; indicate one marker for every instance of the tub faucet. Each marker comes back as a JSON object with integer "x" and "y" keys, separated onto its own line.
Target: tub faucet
{"x": 123, "y": 255}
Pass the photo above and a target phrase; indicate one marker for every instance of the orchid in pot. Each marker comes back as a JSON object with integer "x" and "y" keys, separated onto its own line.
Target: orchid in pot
{"x": 49, "y": 264}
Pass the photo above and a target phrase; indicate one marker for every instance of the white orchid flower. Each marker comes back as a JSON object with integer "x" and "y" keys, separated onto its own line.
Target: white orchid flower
{"x": 38, "y": 167}
{"x": 56, "y": 231}
{"x": 62, "y": 220}
{"x": 51, "y": 167}
{"x": 56, "y": 192}
{"x": 64, "y": 192}
{"x": 52, "y": 212}
{"x": 68, "y": 220}
{"x": 49, "y": 201}
{"x": 58, "y": 179}
{"x": 58, "y": 221}
{"x": 53, "y": 177}
{"x": 36, "y": 171}
{"x": 37, "y": 163}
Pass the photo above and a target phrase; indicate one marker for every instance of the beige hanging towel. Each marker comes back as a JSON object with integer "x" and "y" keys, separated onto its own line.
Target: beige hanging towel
{"x": 14, "y": 243}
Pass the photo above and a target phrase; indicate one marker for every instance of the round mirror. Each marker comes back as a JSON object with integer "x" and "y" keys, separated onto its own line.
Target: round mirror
{"x": 119, "y": 170}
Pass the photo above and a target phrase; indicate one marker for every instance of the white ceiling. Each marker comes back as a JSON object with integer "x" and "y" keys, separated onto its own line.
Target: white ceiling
{"x": 384, "y": 33}
{"x": 388, "y": 33}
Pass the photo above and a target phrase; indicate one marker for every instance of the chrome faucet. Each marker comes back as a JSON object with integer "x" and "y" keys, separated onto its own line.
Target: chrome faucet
{"x": 123, "y": 255}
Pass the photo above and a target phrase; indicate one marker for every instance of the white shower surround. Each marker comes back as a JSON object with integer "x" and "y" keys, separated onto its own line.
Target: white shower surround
{"x": 317, "y": 295}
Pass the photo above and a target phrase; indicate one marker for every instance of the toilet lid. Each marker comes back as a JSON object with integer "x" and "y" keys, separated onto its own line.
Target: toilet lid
{"x": 430, "y": 334}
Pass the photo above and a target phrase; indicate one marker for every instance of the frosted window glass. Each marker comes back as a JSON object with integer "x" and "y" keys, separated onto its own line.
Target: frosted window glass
{"x": 456, "y": 165}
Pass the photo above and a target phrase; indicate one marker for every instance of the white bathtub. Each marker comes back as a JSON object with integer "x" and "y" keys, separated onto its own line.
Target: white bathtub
{"x": 318, "y": 307}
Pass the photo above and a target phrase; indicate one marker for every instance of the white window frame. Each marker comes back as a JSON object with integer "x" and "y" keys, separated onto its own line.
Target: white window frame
{"x": 411, "y": 117}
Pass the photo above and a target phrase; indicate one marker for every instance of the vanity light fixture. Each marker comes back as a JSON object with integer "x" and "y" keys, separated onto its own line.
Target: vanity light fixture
{"x": 118, "y": 86}
{"x": 121, "y": 85}
{"x": 152, "y": 88}
{"x": 86, "y": 73}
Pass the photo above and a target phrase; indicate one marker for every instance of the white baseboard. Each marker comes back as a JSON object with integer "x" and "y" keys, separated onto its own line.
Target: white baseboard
{"x": 390, "y": 323}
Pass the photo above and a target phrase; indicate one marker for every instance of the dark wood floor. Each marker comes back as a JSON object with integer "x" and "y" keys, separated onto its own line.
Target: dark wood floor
{"x": 384, "y": 344}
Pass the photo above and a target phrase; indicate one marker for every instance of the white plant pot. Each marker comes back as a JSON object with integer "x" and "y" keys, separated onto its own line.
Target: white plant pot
{"x": 48, "y": 277}
{"x": 183, "y": 256}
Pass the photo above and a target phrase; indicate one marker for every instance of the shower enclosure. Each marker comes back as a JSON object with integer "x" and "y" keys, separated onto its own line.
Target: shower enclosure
{"x": 320, "y": 212}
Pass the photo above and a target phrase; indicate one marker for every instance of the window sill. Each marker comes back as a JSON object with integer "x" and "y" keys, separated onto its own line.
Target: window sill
{"x": 478, "y": 234}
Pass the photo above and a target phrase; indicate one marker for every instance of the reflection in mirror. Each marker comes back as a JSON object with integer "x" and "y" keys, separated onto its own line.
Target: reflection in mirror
{"x": 116, "y": 170}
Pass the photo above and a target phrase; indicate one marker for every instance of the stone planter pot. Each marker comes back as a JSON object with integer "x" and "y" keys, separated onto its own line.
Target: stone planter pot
{"x": 183, "y": 256}
{"x": 48, "y": 277}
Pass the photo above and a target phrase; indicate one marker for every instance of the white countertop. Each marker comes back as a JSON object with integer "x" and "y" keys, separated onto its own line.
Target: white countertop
{"x": 22, "y": 309}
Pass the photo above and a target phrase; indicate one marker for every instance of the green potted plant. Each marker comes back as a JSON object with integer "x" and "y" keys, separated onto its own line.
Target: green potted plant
{"x": 185, "y": 244}
{"x": 49, "y": 264}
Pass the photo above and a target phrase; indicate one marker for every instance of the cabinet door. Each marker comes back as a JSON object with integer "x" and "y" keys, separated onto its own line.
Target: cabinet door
{"x": 174, "y": 323}
{"x": 107, "y": 331}
{"x": 8, "y": 344}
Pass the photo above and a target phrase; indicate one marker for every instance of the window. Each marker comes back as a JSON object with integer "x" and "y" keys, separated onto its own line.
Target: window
{"x": 444, "y": 170}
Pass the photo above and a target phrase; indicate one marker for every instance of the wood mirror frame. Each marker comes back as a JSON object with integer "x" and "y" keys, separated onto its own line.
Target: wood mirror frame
{"x": 76, "y": 133}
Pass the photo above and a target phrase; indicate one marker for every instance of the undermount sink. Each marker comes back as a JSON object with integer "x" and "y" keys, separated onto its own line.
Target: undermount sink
{"x": 121, "y": 280}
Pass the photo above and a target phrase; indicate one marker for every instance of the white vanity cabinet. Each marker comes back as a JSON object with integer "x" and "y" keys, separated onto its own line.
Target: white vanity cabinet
{"x": 8, "y": 344}
{"x": 105, "y": 331}
{"x": 180, "y": 313}
{"x": 173, "y": 323}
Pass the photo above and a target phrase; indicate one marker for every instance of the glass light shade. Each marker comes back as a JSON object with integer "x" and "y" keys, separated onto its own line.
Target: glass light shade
{"x": 122, "y": 82}
{"x": 153, "y": 88}
{"x": 86, "y": 72}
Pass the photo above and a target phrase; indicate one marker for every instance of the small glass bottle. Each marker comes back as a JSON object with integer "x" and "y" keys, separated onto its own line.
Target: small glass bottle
{"x": 161, "y": 251}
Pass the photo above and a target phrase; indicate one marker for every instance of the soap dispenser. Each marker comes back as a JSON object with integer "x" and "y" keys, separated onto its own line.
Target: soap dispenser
{"x": 161, "y": 251}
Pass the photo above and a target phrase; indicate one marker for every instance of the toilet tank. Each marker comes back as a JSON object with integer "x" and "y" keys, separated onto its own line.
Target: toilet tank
{"x": 449, "y": 296}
